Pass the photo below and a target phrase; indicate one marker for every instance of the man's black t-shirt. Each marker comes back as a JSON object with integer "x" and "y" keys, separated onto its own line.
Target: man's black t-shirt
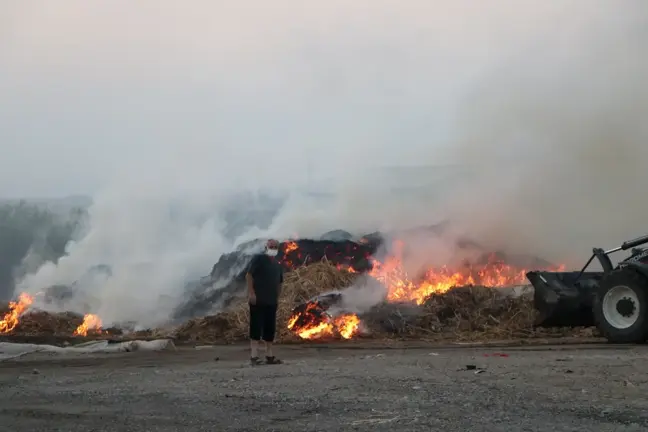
{"x": 267, "y": 277}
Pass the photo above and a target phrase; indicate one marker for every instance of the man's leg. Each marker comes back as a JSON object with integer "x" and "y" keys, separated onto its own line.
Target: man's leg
{"x": 269, "y": 330}
{"x": 255, "y": 332}
{"x": 268, "y": 349}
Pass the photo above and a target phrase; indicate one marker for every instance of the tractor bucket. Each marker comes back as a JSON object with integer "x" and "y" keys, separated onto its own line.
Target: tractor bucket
{"x": 562, "y": 299}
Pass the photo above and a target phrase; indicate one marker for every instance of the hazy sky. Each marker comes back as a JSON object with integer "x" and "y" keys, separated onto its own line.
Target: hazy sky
{"x": 92, "y": 90}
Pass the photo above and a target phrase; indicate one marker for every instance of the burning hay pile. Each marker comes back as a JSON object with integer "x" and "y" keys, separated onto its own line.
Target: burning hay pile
{"x": 17, "y": 319}
{"x": 463, "y": 313}
{"x": 54, "y": 324}
{"x": 339, "y": 289}
{"x": 299, "y": 286}
{"x": 406, "y": 308}
{"x": 312, "y": 308}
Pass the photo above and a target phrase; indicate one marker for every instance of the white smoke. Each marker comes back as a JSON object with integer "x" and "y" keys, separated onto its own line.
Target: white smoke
{"x": 543, "y": 102}
{"x": 556, "y": 138}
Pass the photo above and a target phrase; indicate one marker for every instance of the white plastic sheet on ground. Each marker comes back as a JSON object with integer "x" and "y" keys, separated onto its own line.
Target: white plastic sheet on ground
{"x": 10, "y": 350}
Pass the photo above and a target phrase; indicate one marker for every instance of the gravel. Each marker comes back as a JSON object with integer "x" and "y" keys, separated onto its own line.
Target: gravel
{"x": 559, "y": 389}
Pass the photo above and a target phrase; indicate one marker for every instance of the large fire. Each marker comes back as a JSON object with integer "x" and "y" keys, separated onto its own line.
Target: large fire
{"x": 313, "y": 320}
{"x": 16, "y": 309}
{"x": 314, "y": 323}
{"x": 437, "y": 280}
{"x": 91, "y": 323}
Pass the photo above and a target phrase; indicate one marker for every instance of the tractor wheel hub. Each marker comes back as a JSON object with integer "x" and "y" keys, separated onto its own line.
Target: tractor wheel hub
{"x": 626, "y": 307}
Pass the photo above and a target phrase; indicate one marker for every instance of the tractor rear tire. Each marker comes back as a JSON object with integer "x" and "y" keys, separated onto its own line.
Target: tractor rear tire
{"x": 621, "y": 306}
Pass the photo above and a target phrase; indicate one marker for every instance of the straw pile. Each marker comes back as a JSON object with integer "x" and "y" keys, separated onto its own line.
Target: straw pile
{"x": 53, "y": 324}
{"x": 465, "y": 314}
{"x": 299, "y": 286}
{"x": 462, "y": 314}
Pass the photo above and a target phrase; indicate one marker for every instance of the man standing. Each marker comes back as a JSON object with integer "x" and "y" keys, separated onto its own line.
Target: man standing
{"x": 264, "y": 278}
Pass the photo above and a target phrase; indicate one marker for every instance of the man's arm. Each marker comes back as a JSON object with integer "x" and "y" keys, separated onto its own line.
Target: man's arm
{"x": 281, "y": 279}
{"x": 250, "y": 284}
{"x": 249, "y": 276}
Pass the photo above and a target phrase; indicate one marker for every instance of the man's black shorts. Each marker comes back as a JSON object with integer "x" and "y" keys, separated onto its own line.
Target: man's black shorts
{"x": 263, "y": 322}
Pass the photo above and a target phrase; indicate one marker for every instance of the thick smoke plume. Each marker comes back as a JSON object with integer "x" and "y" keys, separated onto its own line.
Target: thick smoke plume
{"x": 520, "y": 122}
{"x": 556, "y": 135}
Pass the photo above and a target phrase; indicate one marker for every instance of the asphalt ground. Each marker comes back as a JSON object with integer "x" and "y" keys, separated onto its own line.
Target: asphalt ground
{"x": 424, "y": 388}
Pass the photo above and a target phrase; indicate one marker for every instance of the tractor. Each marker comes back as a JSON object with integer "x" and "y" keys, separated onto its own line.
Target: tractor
{"x": 614, "y": 299}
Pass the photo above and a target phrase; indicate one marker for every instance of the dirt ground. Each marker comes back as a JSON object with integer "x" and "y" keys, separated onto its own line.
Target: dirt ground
{"x": 560, "y": 388}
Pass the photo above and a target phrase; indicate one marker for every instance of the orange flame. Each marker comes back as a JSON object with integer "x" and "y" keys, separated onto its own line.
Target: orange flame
{"x": 90, "y": 322}
{"x": 319, "y": 330}
{"x": 437, "y": 280}
{"x": 347, "y": 326}
{"x": 16, "y": 309}
{"x": 290, "y": 246}
{"x": 400, "y": 287}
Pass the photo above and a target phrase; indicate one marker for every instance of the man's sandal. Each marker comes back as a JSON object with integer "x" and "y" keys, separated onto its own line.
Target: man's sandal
{"x": 255, "y": 361}
{"x": 273, "y": 360}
